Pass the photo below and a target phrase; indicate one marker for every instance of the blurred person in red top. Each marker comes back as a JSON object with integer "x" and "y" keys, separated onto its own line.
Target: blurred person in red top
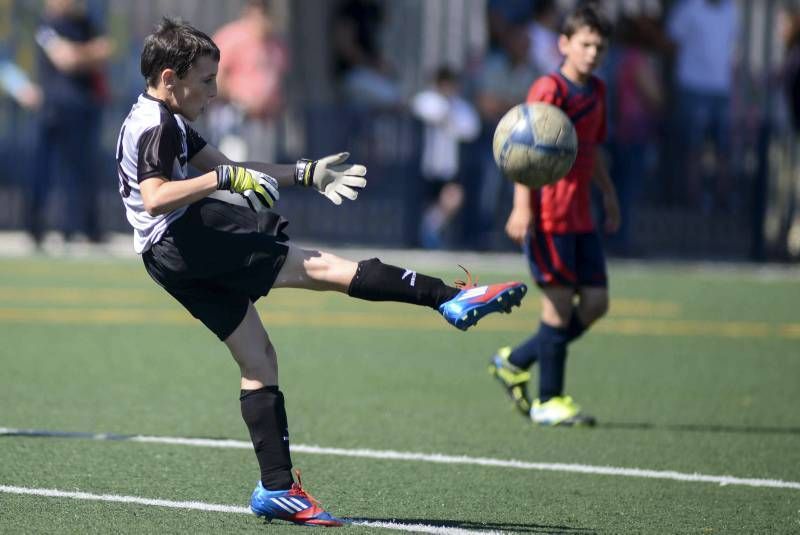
{"x": 555, "y": 227}
{"x": 253, "y": 64}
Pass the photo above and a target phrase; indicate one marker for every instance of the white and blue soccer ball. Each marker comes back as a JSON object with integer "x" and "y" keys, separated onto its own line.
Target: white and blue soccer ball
{"x": 535, "y": 144}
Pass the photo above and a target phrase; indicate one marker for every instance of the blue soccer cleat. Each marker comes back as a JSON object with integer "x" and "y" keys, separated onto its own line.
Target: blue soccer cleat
{"x": 474, "y": 302}
{"x": 294, "y": 505}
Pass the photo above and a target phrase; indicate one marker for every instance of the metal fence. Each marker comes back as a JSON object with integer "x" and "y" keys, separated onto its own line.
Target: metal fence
{"x": 420, "y": 34}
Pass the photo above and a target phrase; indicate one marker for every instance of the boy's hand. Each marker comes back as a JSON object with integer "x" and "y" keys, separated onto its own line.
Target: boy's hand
{"x": 519, "y": 223}
{"x": 332, "y": 177}
{"x": 260, "y": 190}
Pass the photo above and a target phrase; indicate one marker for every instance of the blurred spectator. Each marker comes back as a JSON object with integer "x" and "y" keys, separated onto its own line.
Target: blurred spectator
{"x": 502, "y": 82}
{"x": 72, "y": 53}
{"x": 790, "y": 34}
{"x": 449, "y": 120}
{"x": 638, "y": 100}
{"x": 543, "y": 34}
{"x": 788, "y": 198}
{"x": 503, "y": 14}
{"x": 363, "y": 76}
{"x": 16, "y": 83}
{"x": 253, "y": 64}
{"x": 705, "y": 33}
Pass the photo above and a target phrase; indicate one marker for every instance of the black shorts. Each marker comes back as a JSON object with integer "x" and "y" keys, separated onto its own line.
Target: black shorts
{"x": 216, "y": 258}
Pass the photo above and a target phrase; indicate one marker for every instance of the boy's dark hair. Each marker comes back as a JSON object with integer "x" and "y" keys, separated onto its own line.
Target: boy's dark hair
{"x": 589, "y": 15}
{"x": 445, "y": 74}
{"x": 174, "y": 45}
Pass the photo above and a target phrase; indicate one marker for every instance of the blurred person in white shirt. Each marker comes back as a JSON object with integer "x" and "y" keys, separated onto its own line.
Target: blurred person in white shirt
{"x": 449, "y": 120}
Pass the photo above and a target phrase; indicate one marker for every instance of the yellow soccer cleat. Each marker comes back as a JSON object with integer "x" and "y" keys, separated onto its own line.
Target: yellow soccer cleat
{"x": 513, "y": 379}
{"x": 561, "y": 410}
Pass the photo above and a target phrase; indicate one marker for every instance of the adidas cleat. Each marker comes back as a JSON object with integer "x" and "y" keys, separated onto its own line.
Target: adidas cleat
{"x": 561, "y": 411}
{"x": 474, "y": 302}
{"x": 513, "y": 379}
{"x": 294, "y": 505}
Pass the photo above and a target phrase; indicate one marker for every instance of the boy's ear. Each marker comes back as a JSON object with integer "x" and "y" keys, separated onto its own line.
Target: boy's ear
{"x": 168, "y": 78}
{"x": 563, "y": 44}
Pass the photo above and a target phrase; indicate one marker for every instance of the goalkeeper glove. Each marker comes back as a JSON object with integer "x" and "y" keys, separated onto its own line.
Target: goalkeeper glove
{"x": 332, "y": 177}
{"x": 260, "y": 190}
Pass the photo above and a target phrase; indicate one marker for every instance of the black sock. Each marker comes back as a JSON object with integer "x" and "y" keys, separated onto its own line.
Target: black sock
{"x": 264, "y": 413}
{"x": 376, "y": 281}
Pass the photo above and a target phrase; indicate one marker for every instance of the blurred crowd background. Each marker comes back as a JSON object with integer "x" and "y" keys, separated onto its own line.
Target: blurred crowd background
{"x": 702, "y": 111}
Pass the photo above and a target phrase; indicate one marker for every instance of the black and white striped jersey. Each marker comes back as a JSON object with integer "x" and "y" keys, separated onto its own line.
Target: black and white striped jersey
{"x": 153, "y": 142}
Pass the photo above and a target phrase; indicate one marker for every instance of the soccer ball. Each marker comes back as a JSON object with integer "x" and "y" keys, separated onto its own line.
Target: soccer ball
{"x": 535, "y": 144}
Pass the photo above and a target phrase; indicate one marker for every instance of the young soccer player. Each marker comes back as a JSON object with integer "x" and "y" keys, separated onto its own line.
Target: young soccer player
{"x": 554, "y": 226}
{"x": 213, "y": 243}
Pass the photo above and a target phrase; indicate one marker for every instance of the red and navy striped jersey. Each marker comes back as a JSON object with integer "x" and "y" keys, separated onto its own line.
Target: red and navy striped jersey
{"x": 565, "y": 206}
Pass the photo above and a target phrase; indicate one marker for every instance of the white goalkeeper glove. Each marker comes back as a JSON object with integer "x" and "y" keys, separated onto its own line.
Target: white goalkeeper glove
{"x": 260, "y": 190}
{"x": 332, "y": 177}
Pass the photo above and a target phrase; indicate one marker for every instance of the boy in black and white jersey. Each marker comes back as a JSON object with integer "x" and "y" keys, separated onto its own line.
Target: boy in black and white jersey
{"x": 213, "y": 243}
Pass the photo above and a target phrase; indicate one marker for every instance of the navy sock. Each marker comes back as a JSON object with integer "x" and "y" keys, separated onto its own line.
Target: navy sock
{"x": 525, "y": 355}
{"x": 575, "y": 328}
{"x": 264, "y": 412}
{"x": 552, "y": 360}
{"x": 376, "y": 281}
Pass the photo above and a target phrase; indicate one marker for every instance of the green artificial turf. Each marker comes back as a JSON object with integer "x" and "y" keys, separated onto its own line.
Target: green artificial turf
{"x": 694, "y": 371}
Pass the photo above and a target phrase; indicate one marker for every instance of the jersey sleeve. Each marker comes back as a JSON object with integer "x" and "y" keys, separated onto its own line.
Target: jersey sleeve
{"x": 545, "y": 89}
{"x": 194, "y": 142}
{"x": 159, "y": 146}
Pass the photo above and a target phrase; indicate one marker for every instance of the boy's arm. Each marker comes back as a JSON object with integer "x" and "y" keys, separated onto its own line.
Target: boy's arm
{"x": 610, "y": 201}
{"x": 329, "y": 175}
{"x": 520, "y": 221}
{"x": 160, "y": 195}
{"x": 210, "y": 157}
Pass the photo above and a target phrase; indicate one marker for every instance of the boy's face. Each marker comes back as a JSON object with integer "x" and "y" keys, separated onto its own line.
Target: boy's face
{"x": 192, "y": 93}
{"x": 583, "y": 51}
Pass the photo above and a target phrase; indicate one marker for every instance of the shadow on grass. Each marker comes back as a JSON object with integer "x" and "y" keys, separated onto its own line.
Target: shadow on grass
{"x": 702, "y": 428}
{"x": 511, "y": 527}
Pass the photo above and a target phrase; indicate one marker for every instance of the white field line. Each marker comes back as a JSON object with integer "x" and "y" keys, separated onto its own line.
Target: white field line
{"x": 483, "y": 461}
{"x": 432, "y": 458}
{"x": 218, "y": 508}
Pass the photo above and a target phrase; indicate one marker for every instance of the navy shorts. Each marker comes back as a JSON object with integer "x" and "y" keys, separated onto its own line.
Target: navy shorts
{"x": 574, "y": 259}
{"x": 217, "y": 258}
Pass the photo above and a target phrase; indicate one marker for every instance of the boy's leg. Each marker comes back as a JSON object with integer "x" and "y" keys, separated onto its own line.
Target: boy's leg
{"x": 552, "y": 407}
{"x": 592, "y": 305}
{"x": 549, "y": 345}
{"x": 373, "y": 280}
{"x": 262, "y": 403}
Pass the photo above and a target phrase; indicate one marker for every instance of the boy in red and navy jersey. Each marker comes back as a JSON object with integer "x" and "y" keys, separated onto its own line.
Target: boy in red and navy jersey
{"x": 554, "y": 225}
